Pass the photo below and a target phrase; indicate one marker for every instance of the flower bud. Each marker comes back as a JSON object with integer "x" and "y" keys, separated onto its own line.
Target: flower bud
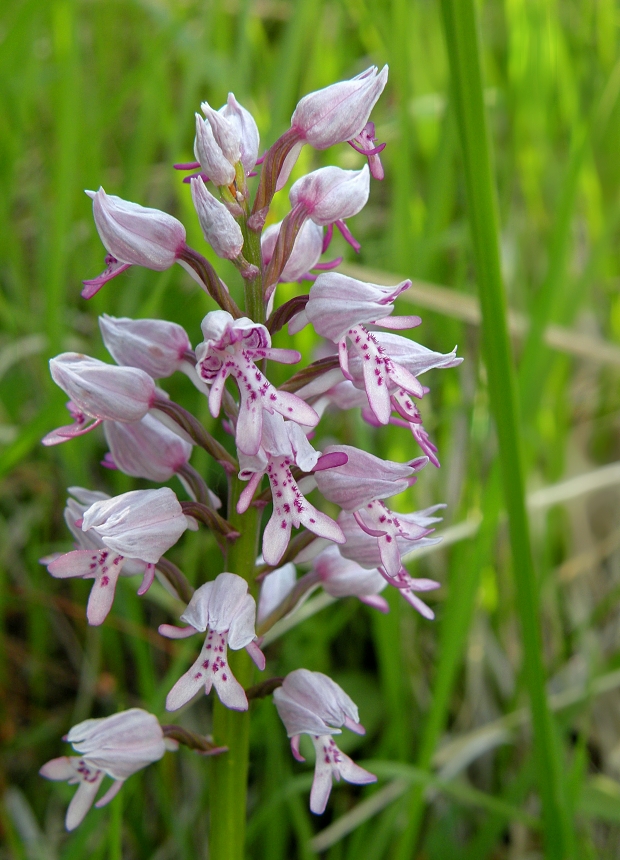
{"x": 225, "y": 133}
{"x": 306, "y": 251}
{"x": 140, "y": 524}
{"x": 101, "y": 390}
{"x": 363, "y": 478}
{"x": 341, "y": 577}
{"x": 338, "y": 302}
{"x": 157, "y": 347}
{"x": 218, "y": 226}
{"x": 339, "y": 112}
{"x": 120, "y": 744}
{"x": 146, "y": 449}
{"x": 331, "y": 194}
{"x": 246, "y": 128}
{"x": 136, "y": 235}
{"x": 117, "y": 746}
{"x": 208, "y": 152}
{"x": 311, "y": 703}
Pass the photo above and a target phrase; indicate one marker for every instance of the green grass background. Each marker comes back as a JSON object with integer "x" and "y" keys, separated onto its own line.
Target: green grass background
{"x": 97, "y": 92}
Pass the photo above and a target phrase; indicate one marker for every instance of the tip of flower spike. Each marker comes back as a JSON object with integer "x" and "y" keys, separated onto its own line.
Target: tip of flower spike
{"x": 92, "y": 194}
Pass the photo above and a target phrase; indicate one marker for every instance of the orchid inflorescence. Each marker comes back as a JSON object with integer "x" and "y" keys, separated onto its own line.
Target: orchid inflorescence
{"x": 150, "y": 436}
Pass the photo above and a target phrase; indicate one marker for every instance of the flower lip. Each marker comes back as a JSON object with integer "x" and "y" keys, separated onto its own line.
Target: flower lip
{"x": 226, "y": 612}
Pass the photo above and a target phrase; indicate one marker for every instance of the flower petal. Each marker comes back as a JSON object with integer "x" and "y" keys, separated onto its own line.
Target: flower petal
{"x": 82, "y": 801}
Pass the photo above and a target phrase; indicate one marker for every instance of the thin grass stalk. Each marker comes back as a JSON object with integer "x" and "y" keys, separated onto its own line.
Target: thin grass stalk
{"x": 460, "y": 26}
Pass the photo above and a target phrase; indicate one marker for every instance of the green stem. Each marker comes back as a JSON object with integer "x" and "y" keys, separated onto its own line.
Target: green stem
{"x": 463, "y": 51}
{"x": 229, "y": 771}
{"x": 254, "y": 303}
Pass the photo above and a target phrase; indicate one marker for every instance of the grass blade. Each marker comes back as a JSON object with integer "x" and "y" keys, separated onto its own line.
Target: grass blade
{"x": 463, "y": 50}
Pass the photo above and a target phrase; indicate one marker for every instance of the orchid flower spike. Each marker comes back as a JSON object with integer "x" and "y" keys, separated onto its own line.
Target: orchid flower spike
{"x": 116, "y": 746}
{"x": 311, "y": 703}
{"x": 140, "y": 525}
{"x": 226, "y": 612}
{"x": 133, "y": 236}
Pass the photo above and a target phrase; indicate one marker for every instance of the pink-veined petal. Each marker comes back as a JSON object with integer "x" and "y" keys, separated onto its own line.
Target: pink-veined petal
{"x": 58, "y": 769}
{"x": 418, "y": 604}
{"x": 276, "y": 539}
{"x": 352, "y": 772}
{"x": 295, "y": 748}
{"x": 390, "y": 554}
{"x": 378, "y": 392}
{"x": 189, "y": 684}
{"x": 245, "y": 498}
{"x": 101, "y": 595}
{"x": 256, "y": 654}
{"x": 321, "y": 786}
{"x": 67, "y": 432}
{"x": 82, "y": 801}
{"x": 172, "y": 632}
{"x": 113, "y": 268}
{"x": 147, "y": 579}
{"x": 110, "y": 794}
{"x": 375, "y": 601}
{"x": 75, "y": 563}
{"x": 231, "y": 693}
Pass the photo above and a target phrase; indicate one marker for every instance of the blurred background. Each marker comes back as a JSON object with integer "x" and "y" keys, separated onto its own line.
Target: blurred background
{"x": 103, "y": 92}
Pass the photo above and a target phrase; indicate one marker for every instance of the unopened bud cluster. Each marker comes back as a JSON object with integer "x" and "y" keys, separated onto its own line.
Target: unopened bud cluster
{"x": 271, "y": 429}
